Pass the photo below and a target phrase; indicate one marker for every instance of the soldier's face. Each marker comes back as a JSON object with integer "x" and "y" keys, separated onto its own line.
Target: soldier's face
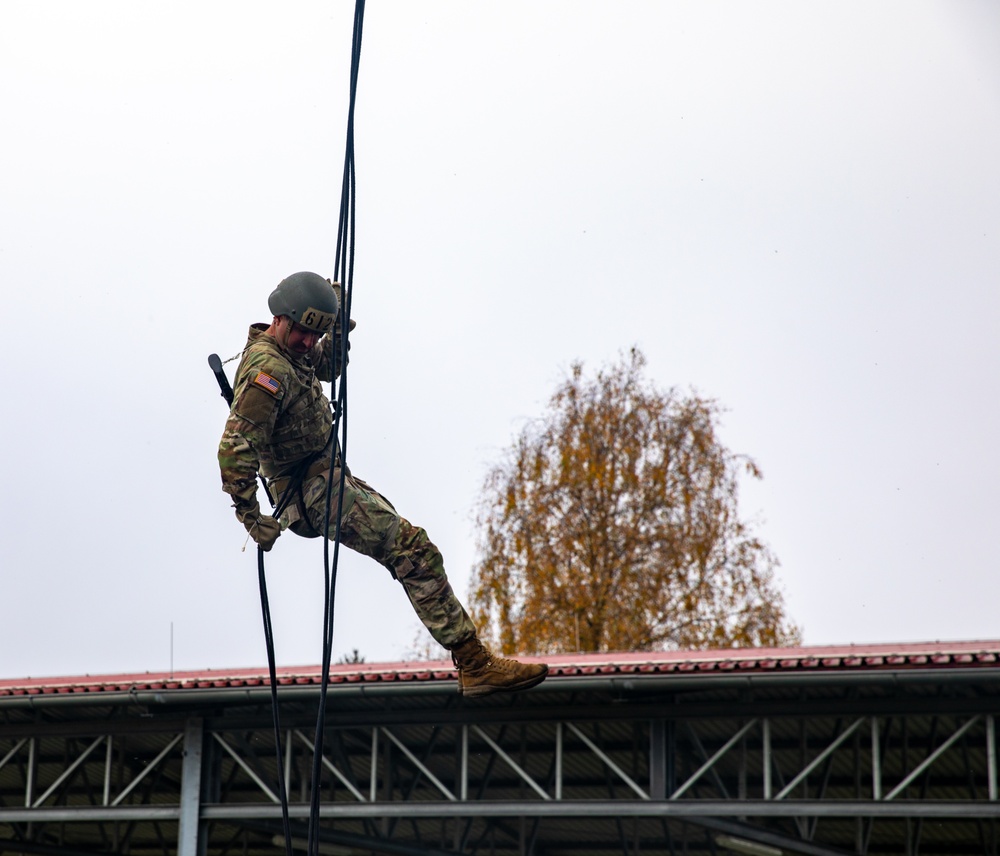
{"x": 295, "y": 338}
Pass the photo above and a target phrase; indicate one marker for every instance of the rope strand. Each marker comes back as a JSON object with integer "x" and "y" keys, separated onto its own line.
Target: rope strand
{"x": 344, "y": 273}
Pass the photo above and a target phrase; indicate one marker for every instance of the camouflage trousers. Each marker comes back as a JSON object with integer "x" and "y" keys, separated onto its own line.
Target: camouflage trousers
{"x": 371, "y": 526}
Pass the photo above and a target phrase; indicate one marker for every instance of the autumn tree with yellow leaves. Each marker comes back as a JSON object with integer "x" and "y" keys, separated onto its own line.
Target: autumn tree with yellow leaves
{"x": 611, "y": 524}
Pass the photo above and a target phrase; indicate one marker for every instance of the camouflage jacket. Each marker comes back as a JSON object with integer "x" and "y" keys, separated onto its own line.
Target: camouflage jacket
{"x": 279, "y": 416}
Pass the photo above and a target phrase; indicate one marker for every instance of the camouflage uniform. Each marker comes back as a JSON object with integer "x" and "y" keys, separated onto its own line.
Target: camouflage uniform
{"x": 280, "y": 423}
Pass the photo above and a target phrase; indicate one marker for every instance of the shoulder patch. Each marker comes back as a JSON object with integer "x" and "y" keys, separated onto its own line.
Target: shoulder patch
{"x": 266, "y": 382}
{"x": 256, "y": 406}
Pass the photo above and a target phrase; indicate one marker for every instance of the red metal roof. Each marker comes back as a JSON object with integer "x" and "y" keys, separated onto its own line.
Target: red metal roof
{"x": 921, "y": 655}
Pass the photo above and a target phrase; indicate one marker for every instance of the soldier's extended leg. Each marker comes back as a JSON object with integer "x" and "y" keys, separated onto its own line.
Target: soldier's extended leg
{"x": 371, "y": 526}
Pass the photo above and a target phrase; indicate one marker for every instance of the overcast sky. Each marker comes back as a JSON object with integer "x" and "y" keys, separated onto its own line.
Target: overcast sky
{"x": 793, "y": 208}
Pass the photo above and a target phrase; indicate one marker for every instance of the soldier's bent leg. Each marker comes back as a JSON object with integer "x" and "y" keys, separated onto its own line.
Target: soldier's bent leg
{"x": 371, "y": 526}
{"x": 418, "y": 565}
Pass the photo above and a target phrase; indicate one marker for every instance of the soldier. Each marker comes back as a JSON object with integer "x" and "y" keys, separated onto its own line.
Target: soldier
{"x": 281, "y": 426}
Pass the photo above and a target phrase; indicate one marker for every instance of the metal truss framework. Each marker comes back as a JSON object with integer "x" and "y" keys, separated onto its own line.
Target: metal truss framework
{"x": 589, "y": 769}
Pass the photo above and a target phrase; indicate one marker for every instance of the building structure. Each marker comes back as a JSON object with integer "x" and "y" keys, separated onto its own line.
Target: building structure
{"x": 864, "y": 750}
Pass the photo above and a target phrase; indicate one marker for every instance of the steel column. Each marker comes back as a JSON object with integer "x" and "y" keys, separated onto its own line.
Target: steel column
{"x": 876, "y": 762}
{"x": 658, "y": 759}
{"x": 991, "y": 756}
{"x": 190, "y": 801}
{"x": 766, "y": 752}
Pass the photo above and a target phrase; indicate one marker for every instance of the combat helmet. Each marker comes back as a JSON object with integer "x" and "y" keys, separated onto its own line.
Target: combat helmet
{"x": 308, "y": 299}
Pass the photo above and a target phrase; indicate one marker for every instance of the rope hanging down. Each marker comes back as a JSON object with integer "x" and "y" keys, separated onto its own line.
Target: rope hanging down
{"x": 343, "y": 273}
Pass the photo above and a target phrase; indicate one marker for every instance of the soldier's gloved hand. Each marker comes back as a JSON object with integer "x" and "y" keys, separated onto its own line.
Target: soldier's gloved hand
{"x": 265, "y": 531}
{"x": 340, "y": 302}
{"x": 262, "y": 528}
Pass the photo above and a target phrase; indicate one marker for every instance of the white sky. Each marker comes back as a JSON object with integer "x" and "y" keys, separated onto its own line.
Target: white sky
{"x": 791, "y": 207}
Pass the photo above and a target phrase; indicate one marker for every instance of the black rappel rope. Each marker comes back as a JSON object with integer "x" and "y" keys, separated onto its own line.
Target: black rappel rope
{"x": 343, "y": 273}
{"x": 227, "y": 393}
{"x": 265, "y": 608}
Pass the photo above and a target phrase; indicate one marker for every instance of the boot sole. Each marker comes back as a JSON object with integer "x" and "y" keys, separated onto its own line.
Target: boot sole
{"x": 488, "y": 689}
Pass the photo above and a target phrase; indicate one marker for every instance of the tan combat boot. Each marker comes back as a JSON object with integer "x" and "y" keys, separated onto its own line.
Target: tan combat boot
{"x": 481, "y": 673}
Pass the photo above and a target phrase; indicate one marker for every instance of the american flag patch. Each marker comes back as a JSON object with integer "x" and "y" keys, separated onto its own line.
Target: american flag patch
{"x": 269, "y": 383}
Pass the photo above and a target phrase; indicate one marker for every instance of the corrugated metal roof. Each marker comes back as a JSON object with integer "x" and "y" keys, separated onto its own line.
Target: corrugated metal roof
{"x": 830, "y": 658}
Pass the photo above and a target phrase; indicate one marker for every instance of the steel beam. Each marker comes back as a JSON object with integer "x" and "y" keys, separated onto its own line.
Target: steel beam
{"x": 930, "y": 759}
{"x": 607, "y": 760}
{"x": 420, "y": 765}
{"x": 247, "y": 769}
{"x": 958, "y": 809}
{"x": 347, "y": 783}
{"x": 819, "y": 759}
{"x": 149, "y": 767}
{"x": 511, "y": 763}
{"x": 928, "y": 809}
{"x": 708, "y": 764}
{"x": 768, "y": 838}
